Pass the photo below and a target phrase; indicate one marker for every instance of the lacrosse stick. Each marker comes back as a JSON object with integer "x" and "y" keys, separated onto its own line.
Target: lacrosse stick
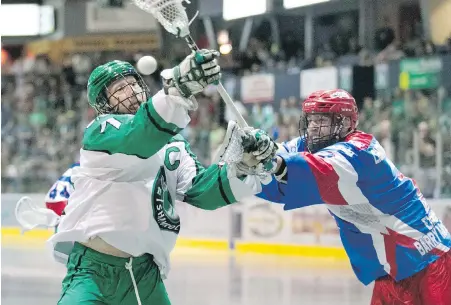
{"x": 172, "y": 16}
{"x": 30, "y": 216}
{"x": 232, "y": 151}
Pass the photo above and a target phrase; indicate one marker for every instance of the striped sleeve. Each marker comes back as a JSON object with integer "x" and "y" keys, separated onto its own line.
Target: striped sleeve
{"x": 323, "y": 177}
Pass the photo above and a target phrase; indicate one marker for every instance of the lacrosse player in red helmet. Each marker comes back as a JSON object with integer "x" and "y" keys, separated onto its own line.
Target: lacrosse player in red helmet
{"x": 388, "y": 230}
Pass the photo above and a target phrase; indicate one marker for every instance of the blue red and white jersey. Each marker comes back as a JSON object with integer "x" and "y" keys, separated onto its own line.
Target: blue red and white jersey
{"x": 386, "y": 225}
{"x": 58, "y": 195}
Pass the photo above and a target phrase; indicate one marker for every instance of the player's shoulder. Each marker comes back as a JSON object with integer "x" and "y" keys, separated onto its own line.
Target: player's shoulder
{"x": 293, "y": 145}
{"x": 357, "y": 141}
{"x": 360, "y": 145}
{"x": 99, "y": 123}
{"x": 110, "y": 124}
{"x": 178, "y": 138}
{"x": 360, "y": 140}
{"x": 178, "y": 144}
{"x": 177, "y": 150}
{"x": 177, "y": 141}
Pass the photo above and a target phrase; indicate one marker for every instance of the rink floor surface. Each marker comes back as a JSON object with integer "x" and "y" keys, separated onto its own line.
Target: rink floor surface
{"x": 198, "y": 277}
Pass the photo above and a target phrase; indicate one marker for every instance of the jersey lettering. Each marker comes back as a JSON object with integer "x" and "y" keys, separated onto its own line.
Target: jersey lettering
{"x": 112, "y": 121}
{"x": 163, "y": 205}
{"x": 167, "y": 160}
{"x": 432, "y": 239}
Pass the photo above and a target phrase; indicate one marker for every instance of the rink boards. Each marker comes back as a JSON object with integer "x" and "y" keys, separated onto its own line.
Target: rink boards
{"x": 252, "y": 226}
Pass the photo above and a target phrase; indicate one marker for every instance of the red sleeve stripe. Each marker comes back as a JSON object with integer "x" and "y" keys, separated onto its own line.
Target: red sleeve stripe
{"x": 326, "y": 179}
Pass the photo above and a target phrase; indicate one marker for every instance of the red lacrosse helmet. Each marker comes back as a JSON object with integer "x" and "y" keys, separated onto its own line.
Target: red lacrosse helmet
{"x": 337, "y": 104}
{"x": 336, "y": 101}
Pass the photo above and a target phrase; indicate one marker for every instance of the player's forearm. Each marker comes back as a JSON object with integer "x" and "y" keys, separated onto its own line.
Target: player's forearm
{"x": 167, "y": 112}
{"x": 296, "y": 185}
{"x": 218, "y": 186}
{"x": 163, "y": 119}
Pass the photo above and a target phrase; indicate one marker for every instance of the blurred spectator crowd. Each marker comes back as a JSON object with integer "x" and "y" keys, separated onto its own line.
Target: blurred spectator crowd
{"x": 44, "y": 110}
{"x": 339, "y": 44}
{"x": 262, "y": 56}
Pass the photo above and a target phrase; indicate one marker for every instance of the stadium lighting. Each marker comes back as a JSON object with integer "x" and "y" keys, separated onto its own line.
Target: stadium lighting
{"x": 223, "y": 37}
{"x": 287, "y": 4}
{"x": 234, "y": 9}
{"x": 225, "y": 48}
{"x": 26, "y": 20}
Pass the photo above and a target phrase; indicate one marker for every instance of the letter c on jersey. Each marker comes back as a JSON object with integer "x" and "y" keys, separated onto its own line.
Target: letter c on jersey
{"x": 167, "y": 160}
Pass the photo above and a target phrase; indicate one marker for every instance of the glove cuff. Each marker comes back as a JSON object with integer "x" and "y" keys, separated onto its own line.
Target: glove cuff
{"x": 171, "y": 86}
{"x": 281, "y": 174}
{"x": 184, "y": 91}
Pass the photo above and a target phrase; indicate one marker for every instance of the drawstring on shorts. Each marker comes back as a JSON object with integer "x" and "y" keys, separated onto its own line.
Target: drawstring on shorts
{"x": 128, "y": 266}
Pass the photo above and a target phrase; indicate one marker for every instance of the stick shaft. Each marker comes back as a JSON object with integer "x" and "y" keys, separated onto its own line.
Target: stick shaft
{"x": 221, "y": 90}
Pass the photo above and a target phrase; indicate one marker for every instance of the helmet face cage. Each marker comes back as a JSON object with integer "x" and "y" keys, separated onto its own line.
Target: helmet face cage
{"x": 328, "y": 133}
{"x": 102, "y": 104}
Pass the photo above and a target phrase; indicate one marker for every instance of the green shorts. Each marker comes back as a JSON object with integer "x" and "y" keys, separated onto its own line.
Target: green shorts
{"x": 96, "y": 278}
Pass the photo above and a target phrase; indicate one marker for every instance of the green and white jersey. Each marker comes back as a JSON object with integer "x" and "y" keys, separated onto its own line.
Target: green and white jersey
{"x": 132, "y": 170}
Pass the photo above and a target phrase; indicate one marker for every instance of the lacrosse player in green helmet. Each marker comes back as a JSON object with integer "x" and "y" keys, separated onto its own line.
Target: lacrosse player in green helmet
{"x": 121, "y": 223}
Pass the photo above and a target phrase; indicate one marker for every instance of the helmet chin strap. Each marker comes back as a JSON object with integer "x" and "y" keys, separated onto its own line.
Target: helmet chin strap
{"x": 349, "y": 132}
{"x": 339, "y": 127}
{"x": 337, "y": 130}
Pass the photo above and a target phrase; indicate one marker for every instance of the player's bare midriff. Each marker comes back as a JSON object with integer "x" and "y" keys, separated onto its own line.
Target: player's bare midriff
{"x": 99, "y": 245}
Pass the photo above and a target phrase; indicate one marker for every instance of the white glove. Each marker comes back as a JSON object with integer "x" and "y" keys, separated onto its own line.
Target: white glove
{"x": 193, "y": 74}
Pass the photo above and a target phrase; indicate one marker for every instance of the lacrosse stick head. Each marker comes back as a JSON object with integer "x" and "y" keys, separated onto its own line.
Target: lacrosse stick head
{"x": 30, "y": 216}
{"x": 231, "y": 149}
{"x": 232, "y": 152}
{"x": 170, "y": 14}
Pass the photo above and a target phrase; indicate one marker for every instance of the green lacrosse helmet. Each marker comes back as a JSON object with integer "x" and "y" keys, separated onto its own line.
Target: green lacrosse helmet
{"x": 102, "y": 76}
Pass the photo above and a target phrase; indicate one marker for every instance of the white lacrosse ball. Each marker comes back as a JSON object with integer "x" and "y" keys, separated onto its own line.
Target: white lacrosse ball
{"x": 146, "y": 65}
